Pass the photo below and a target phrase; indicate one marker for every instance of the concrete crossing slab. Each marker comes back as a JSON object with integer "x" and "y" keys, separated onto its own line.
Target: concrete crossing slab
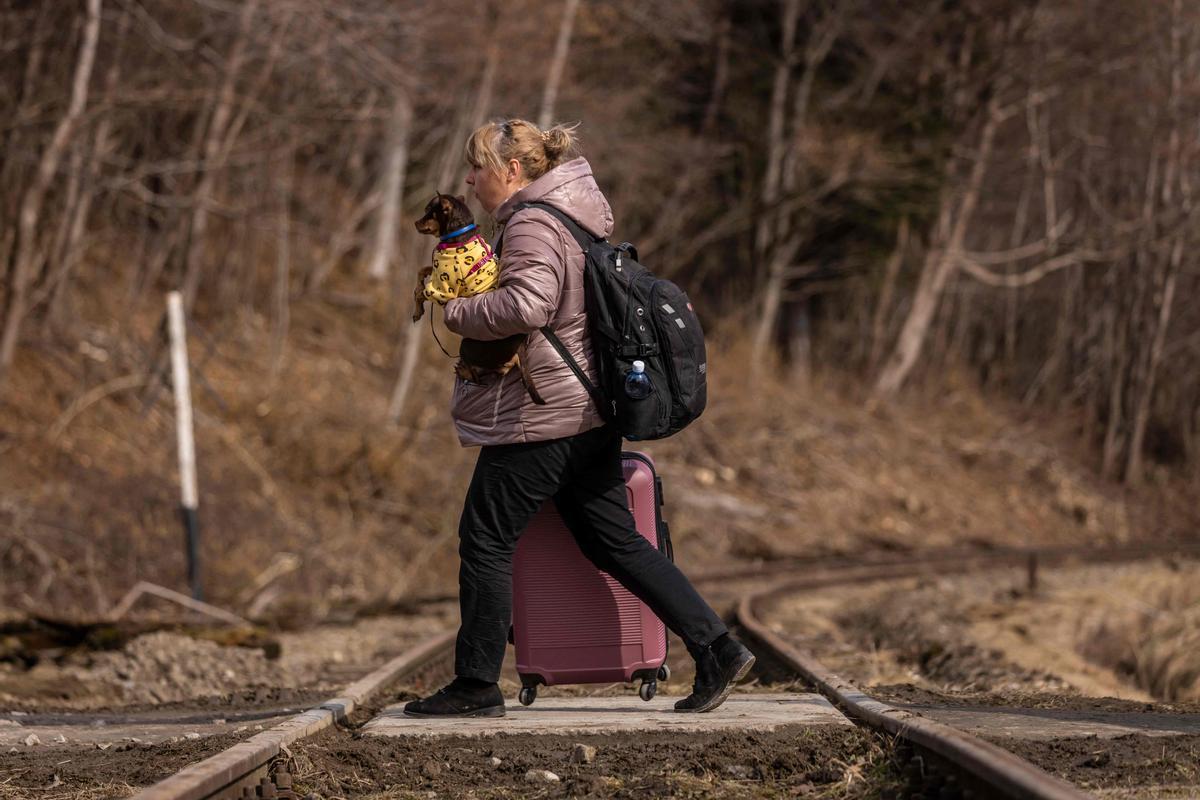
{"x": 576, "y": 715}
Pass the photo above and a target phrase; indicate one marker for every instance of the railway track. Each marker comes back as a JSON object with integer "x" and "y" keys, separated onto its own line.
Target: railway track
{"x": 230, "y": 772}
{"x": 935, "y": 760}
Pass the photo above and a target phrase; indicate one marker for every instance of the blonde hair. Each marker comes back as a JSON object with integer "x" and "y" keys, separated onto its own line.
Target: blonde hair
{"x": 493, "y": 145}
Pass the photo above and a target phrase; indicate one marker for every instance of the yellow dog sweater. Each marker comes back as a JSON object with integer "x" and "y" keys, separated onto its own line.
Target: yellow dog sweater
{"x": 461, "y": 270}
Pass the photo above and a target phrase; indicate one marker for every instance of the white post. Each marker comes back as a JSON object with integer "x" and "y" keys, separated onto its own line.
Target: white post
{"x": 557, "y": 63}
{"x": 183, "y": 430}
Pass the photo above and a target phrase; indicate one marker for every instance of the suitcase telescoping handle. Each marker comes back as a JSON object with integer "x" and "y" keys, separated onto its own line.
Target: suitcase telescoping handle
{"x": 664, "y": 540}
{"x": 664, "y": 530}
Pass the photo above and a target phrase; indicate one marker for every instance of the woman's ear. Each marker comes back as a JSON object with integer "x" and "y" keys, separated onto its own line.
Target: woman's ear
{"x": 515, "y": 174}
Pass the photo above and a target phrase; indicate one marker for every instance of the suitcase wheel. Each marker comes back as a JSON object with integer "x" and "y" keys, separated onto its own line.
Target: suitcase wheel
{"x": 647, "y": 690}
{"x": 664, "y": 673}
{"x": 528, "y": 694}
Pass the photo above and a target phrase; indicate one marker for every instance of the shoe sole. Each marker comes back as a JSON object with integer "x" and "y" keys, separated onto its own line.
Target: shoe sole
{"x": 495, "y": 711}
{"x": 723, "y": 695}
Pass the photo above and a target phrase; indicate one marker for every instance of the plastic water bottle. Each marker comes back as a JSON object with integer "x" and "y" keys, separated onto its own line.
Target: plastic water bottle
{"x": 637, "y": 382}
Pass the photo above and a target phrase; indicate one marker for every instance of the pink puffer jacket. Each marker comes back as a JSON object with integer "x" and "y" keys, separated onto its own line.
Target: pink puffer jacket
{"x": 541, "y": 282}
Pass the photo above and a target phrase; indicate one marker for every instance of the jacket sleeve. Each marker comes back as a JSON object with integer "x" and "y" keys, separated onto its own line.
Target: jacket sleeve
{"x": 527, "y": 295}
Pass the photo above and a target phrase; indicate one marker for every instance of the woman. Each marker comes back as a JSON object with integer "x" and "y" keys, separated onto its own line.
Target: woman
{"x": 562, "y": 449}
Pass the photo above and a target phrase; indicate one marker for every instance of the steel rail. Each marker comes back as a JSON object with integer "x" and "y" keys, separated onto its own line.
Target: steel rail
{"x": 996, "y": 767}
{"x": 229, "y": 768}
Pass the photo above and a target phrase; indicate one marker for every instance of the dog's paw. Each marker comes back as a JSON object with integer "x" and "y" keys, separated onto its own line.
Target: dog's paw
{"x": 463, "y": 371}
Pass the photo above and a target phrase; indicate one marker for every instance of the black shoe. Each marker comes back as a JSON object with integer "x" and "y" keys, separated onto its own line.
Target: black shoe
{"x": 464, "y": 697}
{"x": 718, "y": 668}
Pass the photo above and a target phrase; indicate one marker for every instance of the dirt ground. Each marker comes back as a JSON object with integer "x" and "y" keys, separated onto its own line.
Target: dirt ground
{"x": 1133, "y": 766}
{"x": 196, "y": 680}
{"x": 165, "y": 671}
{"x": 57, "y": 772}
{"x": 810, "y": 762}
{"x": 816, "y": 762}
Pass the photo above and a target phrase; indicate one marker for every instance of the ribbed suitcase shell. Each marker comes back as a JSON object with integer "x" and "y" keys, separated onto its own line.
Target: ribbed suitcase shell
{"x": 573, "y": 623}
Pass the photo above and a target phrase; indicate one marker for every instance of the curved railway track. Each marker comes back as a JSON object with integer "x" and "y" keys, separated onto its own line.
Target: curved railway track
{"x": 935, "y": 759}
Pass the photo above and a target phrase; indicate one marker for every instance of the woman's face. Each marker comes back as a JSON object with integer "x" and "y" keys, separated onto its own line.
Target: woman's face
{"x": 492, "y": 188}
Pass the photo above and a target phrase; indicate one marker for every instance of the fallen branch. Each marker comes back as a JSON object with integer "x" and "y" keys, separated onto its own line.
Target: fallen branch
{"x": 89, "y": 398}
{"x": 145, "y": 587}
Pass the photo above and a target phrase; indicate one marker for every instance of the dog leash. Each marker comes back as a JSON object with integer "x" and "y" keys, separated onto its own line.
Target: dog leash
{"x": 435, "y": 336}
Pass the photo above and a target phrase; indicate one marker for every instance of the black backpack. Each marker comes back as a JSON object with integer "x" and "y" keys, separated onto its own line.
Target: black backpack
{"x": 634, "y": 316}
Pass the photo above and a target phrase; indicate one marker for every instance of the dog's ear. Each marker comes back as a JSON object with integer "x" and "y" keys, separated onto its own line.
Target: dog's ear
{"x": 462, "y": 199}
{"x": 447, "y": 203}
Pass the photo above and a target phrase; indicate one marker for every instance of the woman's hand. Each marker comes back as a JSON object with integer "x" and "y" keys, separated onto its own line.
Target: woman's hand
{"x": 531, "y": 276}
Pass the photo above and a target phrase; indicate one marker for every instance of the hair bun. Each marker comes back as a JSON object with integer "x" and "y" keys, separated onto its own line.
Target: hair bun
{"x": 557, "y": 141}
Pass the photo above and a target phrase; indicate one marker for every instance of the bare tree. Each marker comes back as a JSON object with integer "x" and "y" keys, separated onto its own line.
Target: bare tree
{"x": 214, "y": 137}
{"x": 773, "y": 177}
{"x": 558, "y": 64}
{"x": 24, "y": 253}
{"x": 391, "y": 188}
{"x": 787, "y": 237}
{"x": 954, "y": 219}
{"x": 1176, "y": 188}
{"x": 449, "y": 165}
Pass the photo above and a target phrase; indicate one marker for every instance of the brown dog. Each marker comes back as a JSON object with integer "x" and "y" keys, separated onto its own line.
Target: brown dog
{"x": 450, "y": 219}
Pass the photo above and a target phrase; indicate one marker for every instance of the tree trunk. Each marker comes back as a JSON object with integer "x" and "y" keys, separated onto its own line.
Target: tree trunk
{"x": 800, "y": 342}
{"x": 939, "y": 266}
{"x": 392, "y": 184}
{"x": 10, "y": 137}
{"x": 780, "y": 261}
{"x": 1163, "y": 295}
{"x": 447, "y": 168}
{"x": 890, "y": 274}
{"x": 24, "y": 251}
{"x": 665, "y": 227}
{"x": 71, "y": 252}
{"x": 768, "y": 264}
{"x": 557, "y": 64}
{"x": 776, "y": 122}
{"x": 193, "y": 269}
{"x": 1141, "y": 413}
{"x": 281, "y": 293}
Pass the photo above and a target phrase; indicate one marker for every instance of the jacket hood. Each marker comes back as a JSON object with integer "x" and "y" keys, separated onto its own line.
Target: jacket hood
{"x": 570, "y": 188}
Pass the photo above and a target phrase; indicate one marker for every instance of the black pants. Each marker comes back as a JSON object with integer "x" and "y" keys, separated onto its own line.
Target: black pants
{"x": 583, "y": 475}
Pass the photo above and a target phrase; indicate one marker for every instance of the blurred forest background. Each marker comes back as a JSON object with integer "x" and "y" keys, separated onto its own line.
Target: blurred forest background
{"x": 945, "y": 250}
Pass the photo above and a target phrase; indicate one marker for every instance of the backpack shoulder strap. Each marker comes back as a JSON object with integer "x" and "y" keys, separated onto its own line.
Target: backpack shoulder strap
{"x": 597, "y": 398}
{"x": 584, "y": 239}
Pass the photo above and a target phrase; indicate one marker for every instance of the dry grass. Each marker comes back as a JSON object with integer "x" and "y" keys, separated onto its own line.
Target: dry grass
{"x": 304, "y": 472}
{"x": 1154, "y": 638}
{"x": 101, "y": 791}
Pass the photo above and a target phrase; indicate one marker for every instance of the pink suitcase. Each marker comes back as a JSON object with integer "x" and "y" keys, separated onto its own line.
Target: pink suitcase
{"x": 573, "y": 623}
